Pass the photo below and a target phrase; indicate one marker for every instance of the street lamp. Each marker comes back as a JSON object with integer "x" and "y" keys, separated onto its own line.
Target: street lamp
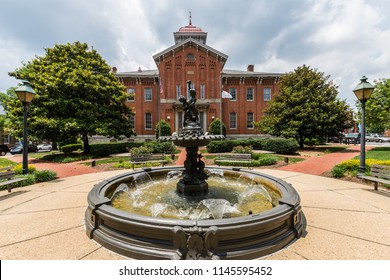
{"x": 363, "y": 92}
{"x": 25, "y": 94}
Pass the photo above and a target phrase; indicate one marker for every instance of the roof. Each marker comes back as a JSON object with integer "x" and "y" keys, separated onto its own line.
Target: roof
{"x": 139, "y": 74}
{"x": 239, "y": 73}
{"x": 190, "y": 42}
{"x": 190, "y": 28}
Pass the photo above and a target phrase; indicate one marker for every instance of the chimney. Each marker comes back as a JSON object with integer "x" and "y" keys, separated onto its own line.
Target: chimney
{"x": 250, "y": 68}
{"x": 114, "y": 70}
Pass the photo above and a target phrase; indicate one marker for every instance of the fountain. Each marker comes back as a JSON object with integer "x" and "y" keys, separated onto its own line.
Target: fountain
{"x": 174, "y": 213}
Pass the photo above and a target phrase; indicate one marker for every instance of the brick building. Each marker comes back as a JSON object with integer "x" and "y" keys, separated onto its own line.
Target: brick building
{"x": 153, "y": 94}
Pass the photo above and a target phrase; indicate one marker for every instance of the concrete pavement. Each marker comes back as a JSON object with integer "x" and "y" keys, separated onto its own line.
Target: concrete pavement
{"x": 345, "y": 220}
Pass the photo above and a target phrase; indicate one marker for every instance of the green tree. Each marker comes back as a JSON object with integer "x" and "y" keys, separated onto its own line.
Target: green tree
{"x": 307, "y": 107}
{"x": 215, "y": 127}
{"x": 378, "y": 107}
{"x": 77, "y": 96}
{"x": 165, "y": 129}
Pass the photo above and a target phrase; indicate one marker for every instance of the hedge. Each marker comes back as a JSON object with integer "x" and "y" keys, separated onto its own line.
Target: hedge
{"x": 106, "y": 149}
{"x": 276, "y": 145}
{"x": 70, "y": 148}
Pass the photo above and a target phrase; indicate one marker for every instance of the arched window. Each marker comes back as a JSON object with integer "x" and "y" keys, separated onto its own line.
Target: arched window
{"x": 190, "y": 56}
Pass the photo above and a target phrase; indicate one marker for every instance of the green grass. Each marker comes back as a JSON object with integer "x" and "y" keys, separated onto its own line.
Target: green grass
{"x": 379, "y": 153}
{"x": 290, "y": 159}
{"x": 6, "y": 162}
{"x": 111, "y": 160}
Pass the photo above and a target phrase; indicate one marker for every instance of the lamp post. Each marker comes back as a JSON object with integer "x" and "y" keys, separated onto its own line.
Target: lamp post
{"x": 363, "y": 92}
{"x": 25, "y": 94}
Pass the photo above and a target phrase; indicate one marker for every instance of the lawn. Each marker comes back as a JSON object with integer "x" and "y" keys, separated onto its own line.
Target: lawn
{"x": 378, "y": 153}
{"x": 6, "y": 162}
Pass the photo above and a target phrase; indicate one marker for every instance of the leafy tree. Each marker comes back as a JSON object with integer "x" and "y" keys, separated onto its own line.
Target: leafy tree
{"x": 307, "y": 107}
{"x": 378, "y": 107}
{"x": 215, "y": 127}
{"x": 77, "y": 96}
{"x": 165, "y": 129}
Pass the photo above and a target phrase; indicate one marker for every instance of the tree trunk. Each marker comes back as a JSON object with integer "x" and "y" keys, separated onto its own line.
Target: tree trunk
{"x": 301, "y": 141}
{"x": 87, "y": 150}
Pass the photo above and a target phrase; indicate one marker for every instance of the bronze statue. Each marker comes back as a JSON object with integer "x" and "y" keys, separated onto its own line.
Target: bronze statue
{"x": 191, "y": 113}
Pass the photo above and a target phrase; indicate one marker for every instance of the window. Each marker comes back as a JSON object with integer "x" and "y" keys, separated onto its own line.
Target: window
{"x": 5, "y": 139}
{"x": 201, "y": 119}
{"x": 249, "y": 120}
{"x": 202, "y": 92}
{"x": 233, "y": 121}
{"x": 192, "y": 86}
{"x": 130, "y": 94}
{"x": 267, "y": 94}
{"x": 148, "y": 94}
{"x": 132, "y": 120}
{"x": 233, "y": 93}
{"x": 190, "y": 56}
{"x": 148, "y": 121}
{"x": 249, "y": 94}
{"x": 178, "y": 91}
{"x": 180, "y": 120}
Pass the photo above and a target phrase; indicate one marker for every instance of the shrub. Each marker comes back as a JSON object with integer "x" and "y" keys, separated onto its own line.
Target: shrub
{"x": 165, "y": 129}
{"x": 338, "y": 171}
{"x": 68, "y": 149}
{"x": 163, "y": 147}
{"x": 281, "y": 146}
{"x": 140, "y": 150}
{"x": 45, "y": 175}
{"x": 106, "y": 149}
{"x": 242, "y": 149}
{"x": 224, "y": 146}
{"x": 215, "y": 127}
{"x": 19, "y": 169}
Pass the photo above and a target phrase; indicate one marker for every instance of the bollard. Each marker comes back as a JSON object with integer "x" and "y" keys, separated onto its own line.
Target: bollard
{"x": 286, "y": 160}
{"x": 93, "y": 163}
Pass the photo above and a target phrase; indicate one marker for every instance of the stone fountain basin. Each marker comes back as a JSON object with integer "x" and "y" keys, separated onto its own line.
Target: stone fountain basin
{"x": 142, "y": 237}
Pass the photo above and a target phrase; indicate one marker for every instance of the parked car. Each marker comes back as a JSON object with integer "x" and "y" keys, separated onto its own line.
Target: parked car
{"x": 44, "y": 147}
{"x": 4, "y": 150}
{"x": 19, "y": 149}
{"x": 351, "y": 138}
{"x": 336, "y": 139}
{"x": 374, "y": 137}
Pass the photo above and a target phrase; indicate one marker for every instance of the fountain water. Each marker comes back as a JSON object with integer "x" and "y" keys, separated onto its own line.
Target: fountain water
{"x": 173, "y": 213}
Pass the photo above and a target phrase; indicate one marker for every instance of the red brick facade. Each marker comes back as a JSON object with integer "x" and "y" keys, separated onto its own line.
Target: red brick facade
{"x": 156, "y": 92}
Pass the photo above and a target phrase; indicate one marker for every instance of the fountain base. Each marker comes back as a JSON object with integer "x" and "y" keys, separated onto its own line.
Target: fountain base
{"x": 145, "y": 237}
{"x": 192, "y": 189}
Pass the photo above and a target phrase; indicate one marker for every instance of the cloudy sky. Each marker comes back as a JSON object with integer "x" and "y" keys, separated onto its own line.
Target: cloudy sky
{"x": 343, "y": 38}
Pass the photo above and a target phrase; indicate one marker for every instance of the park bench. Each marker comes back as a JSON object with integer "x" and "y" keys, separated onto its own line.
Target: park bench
{"x": 7, "y": 177}
{"x": 379, "y": 174}
{"x": 241, "y": 159}
{"x": 146, "y": 158}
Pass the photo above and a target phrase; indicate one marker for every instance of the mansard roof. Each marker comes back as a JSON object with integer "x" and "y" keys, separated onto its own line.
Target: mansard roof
{"x": 190, "y": 42}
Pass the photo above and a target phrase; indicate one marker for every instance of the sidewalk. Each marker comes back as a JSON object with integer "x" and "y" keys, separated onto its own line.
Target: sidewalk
{"x": 63, "y": 170}
{"x": 320, "y": 164}
{"x": 345, "y": 220}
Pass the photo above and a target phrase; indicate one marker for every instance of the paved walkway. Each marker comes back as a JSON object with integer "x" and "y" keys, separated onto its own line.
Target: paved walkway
{"x": 345, "y": 220}
{"x": 319, "y": 165}
{"x": 63, "y": 170}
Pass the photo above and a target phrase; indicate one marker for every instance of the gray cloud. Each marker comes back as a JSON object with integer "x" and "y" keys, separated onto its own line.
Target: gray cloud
{"x": 344, "y": 39}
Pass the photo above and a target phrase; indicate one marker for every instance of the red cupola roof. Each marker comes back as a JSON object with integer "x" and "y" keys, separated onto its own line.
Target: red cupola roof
{"x": 190, "y": 31}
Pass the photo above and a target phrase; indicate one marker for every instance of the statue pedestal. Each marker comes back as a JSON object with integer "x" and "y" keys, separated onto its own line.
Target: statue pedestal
{"x": 192, "y": 189}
